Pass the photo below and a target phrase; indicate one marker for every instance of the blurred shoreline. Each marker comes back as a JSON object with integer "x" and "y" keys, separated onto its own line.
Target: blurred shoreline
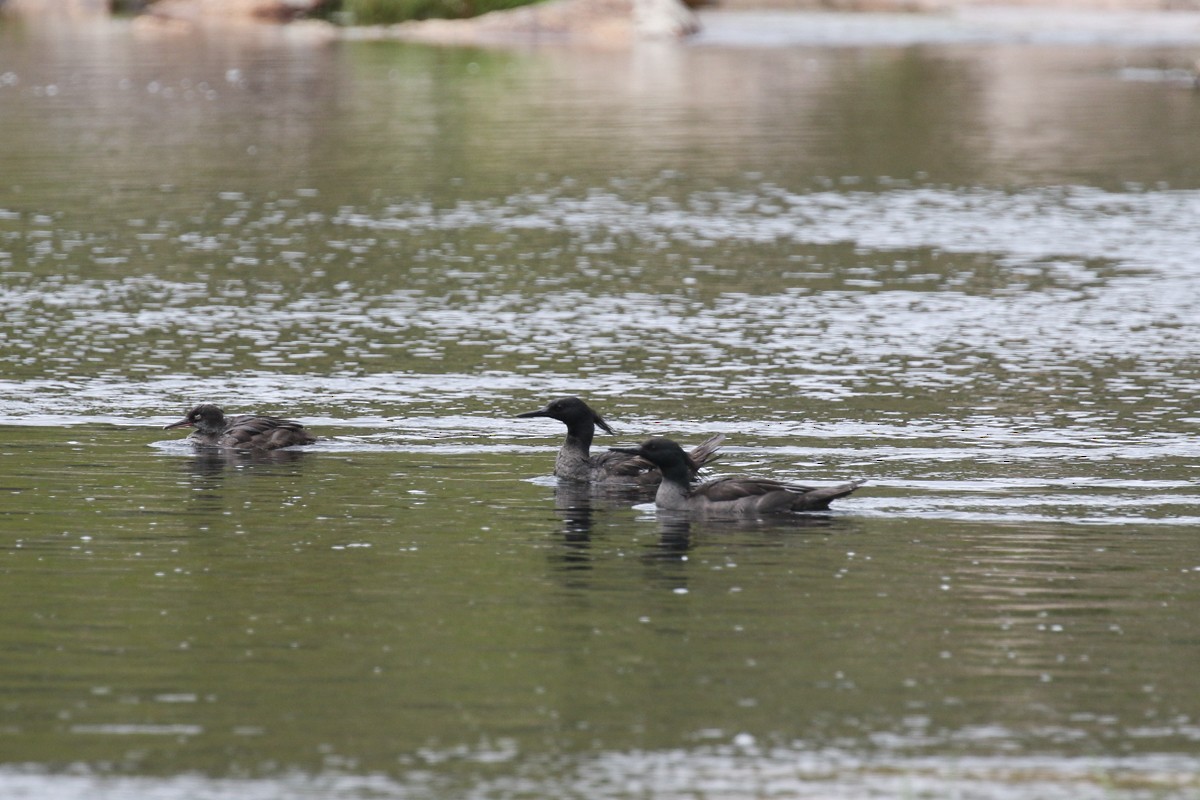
{"x": 726, "y": 22}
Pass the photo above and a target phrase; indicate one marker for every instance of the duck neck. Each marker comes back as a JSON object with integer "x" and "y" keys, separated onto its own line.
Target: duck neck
{"x": 574, "y": 459}
{"x": 213, "y": 427}
{"x": 579, "y": 437}
{"x": 679, "y": 473}
{"x": 675, "y": 488}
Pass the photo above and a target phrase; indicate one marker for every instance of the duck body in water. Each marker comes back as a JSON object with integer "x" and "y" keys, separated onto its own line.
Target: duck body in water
{"x": 728, "y": 497}
{"x": 242, "y": 432}
{"x": 575, "y": 461}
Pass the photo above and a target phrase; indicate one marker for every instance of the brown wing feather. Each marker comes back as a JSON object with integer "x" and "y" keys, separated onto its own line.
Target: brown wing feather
{"x": 776, "y": 495}
{"x": 735, "y": 488}
{"x": 267, "y": 433}
{"x": 622, "y": 465}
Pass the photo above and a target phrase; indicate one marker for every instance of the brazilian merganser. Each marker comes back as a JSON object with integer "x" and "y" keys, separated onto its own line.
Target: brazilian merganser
{"x": 575, "y": 461}
{"x": 728, "y": 497}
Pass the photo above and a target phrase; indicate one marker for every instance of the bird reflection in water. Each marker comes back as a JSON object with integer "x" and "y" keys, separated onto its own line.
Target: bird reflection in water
{"x": 209, "y": 466}
{"x": 668, "y": 559}
{"x": 586, "y": 508}
{"x": 214, "y": 460}
{"x": 576, "y": 503}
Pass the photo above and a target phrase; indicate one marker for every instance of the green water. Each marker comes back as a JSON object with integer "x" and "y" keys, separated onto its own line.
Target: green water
{"x": 369, "y": 612}
{"x": 964, "y": 273}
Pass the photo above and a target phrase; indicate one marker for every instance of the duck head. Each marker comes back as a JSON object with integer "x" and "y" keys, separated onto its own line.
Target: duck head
{"x": 206, "y": 418}
{"x": 665, "y": 454}
{"x": 572, "y": 412}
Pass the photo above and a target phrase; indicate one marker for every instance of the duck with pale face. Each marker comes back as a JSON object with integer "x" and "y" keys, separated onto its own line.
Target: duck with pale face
{"x": 243, "y": 432}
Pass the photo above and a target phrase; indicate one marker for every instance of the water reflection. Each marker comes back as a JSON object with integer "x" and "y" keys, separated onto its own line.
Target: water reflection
{"x": 952, "y": 271}
{"x": 579, "y": 505}
{"x": 573, "y": 504}
{"x": 221, "y": 479}
{"x": 674, "y": 540}
{"x": 575, "y": 501}
{"x": 211, "y": 462}
{"x": 680, "y": 523}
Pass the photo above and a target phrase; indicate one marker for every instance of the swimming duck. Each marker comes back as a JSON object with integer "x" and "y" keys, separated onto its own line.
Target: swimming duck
{"x": 246, "y": 431}
{"x": 575, "y": 461}
{"x": 728, "y": 497}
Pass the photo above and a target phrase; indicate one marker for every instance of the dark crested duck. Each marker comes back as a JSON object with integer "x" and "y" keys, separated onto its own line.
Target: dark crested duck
{"x": 575, "y": 461}
{"x": 727, "y": 497}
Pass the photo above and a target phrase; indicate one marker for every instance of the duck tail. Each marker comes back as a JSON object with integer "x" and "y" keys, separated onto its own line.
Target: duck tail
{"x": 819, "y": 499}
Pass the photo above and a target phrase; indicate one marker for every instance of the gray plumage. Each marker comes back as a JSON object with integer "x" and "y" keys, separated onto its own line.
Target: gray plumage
{"x": 734, "y": 496}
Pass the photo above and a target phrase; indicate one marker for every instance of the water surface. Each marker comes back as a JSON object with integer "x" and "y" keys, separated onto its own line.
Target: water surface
{"x": 962, "y": 270}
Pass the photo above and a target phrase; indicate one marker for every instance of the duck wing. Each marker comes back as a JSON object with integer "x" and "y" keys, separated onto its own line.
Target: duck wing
{"x": 724, "y": 490}
{"x": 622, "y": 465}
{"x": 266, "y": 433}
{"x": 770, "y": 495}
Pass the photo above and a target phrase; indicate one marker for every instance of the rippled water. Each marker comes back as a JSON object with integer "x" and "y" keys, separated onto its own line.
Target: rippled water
{"x": 963, "y": 270}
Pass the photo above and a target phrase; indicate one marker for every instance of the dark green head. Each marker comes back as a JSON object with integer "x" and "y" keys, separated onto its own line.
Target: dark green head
{"x": 577, "y": 415}
{"x": 665, "y": 454}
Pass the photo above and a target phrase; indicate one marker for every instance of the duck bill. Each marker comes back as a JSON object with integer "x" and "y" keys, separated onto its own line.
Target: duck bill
{"x": 541, "y": 412}
{"x": 633, "y": 451}
{"x": 183, "y": 423}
